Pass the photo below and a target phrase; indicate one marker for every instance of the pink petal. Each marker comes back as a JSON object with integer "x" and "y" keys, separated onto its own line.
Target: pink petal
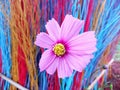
{"x": 52, "y": 68}
{"x": 82, "y": 52}
{"x": 84, "y": 43}
{"x": 83, "y": 38}
{"x": 53, "y": 29}
{"x": 61, "y": 70}
{"x": 68, "y": 69}
{"x": 64, "y": 70}
{"x": 74, "y": 62}
{"x": 83, "y": 46}
{"x": 44, "y": 40}
{"x": 70, "y": 27}
{"x": 46, "y": 60}
{"x": 78, "y": 63}
{"x": 86, "y": 59}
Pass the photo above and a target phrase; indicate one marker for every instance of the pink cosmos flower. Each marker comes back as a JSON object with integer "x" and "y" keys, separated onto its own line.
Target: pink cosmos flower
{"x": 67, "y": 50}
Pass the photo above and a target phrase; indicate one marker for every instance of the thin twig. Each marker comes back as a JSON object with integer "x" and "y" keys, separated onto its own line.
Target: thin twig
{"x": 12, "y": 82}
{"x": 101, "y": 74}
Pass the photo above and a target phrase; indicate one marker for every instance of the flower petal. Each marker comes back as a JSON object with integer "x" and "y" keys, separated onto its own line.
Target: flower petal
{"x": 53, "y": 29}
{"x": 64, "y": 70}
{"x": 60, "y": 70}
{"x": 86, "y": 59}
{"x": 44, "y": 40}
{"x": 83, "y": 44}
{"x": 70, "y": 27}
{"x": 46, "y": 60}
{"x": 78, "y": 63}
{"x": 52, "y": 68}
{"x": 68, "y": 69}
{"x": 74, "y": 62}
{"x": 82, "y": 52}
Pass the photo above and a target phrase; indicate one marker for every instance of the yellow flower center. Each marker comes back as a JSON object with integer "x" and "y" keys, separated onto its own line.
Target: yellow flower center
{"x": 59, "y": 49}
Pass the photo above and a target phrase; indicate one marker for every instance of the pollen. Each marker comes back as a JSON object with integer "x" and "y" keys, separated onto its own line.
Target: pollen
{"x": 59, "y": 49}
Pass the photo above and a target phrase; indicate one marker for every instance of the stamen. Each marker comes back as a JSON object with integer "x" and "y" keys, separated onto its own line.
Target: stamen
{"x": 59, "y": 49}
